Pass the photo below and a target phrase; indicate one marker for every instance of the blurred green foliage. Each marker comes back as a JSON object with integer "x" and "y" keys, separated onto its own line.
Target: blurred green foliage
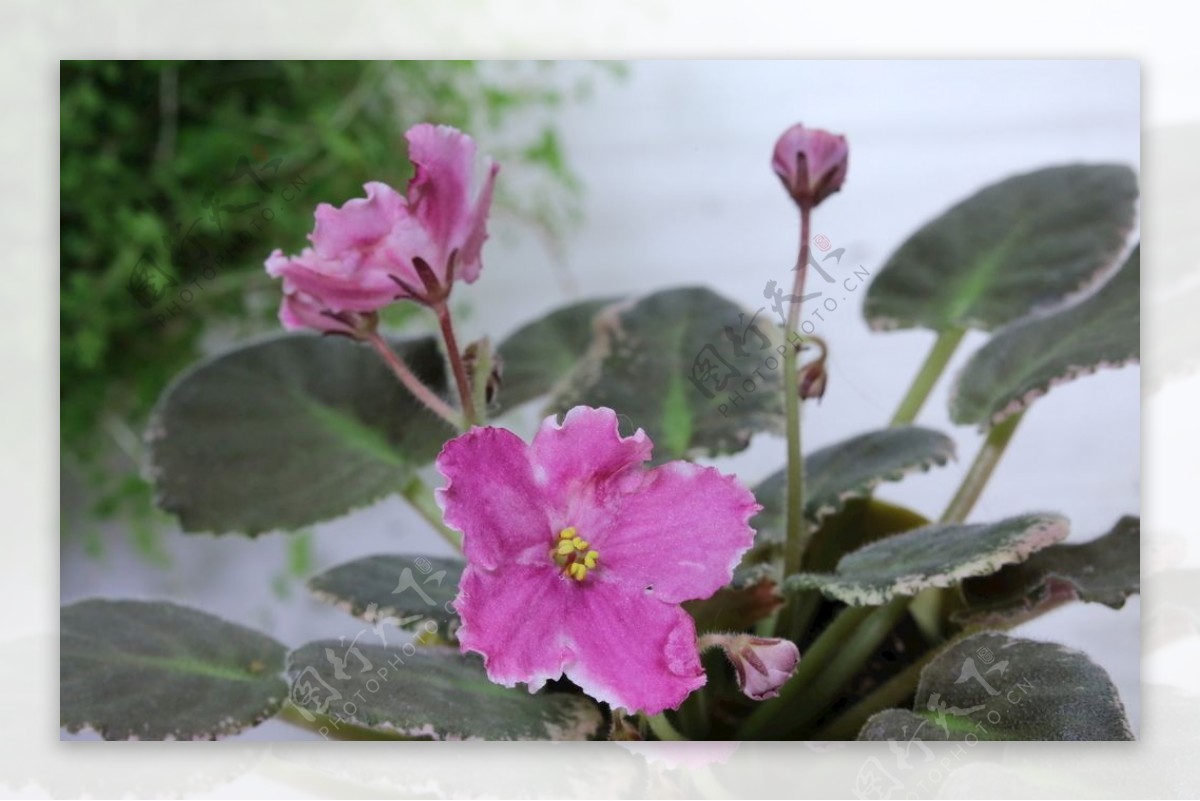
{"x": 178, "y": 178}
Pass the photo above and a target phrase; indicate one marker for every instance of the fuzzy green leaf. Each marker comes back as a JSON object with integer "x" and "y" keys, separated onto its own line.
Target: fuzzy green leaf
{"x": 666, "y": 363}
{"x": 1025, "y": 360}
{"x": 404, "y": 590}
{"x": 993, "y": 687}
{"x": 939, "y": 555}
{"x": 538, "y": 356}
{"x": 289, "y": 431}
{"x": 429, "y": 693}
{"x": 849, "y": 469}
{"x": 1106, "y": 570}
{"x": 147, "y": 670}
{"x": 1025, "y": 243}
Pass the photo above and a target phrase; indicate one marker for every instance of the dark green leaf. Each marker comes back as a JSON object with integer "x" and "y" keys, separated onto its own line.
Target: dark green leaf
{"x": 1023, "y": 361}
{"x": 1106, "y": 570}
{"x": 143, "y": 670}
{"x": 848, "y": 469}
{"x": 405, "y": 589}
{"x": 667, "y": 364}
{"x": 1025, "y": 243}
{"x": 993, "y": 687}
{"x": 429, "y": 693}
{"x": 290, "y": 431}
{"x": 940, "y": 555}
{"x": 539, "y": 356}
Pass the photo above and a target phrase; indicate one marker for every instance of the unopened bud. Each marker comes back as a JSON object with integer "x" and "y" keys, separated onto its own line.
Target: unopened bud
{"x": 762, "y": 664}
{"x": 811, "y": 163}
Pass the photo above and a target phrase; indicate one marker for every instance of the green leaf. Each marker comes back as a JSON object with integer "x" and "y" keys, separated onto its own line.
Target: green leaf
{"x": 406, "y": 589}
{"x": 940, "y": 555}
{"x": 849, "y": 469}
{"x": 1025, "y": 243}
{"x": 429, "y": 693}
{"x": 1106, "y": 570}
{"x": 993, "y": 687}
{"x": 290, "y": 431}
{"x": 1024, "y": 360}
{"x": 539, "y": 356}
{"x": 650, "y": 362}
{"x": 145, "y": 670}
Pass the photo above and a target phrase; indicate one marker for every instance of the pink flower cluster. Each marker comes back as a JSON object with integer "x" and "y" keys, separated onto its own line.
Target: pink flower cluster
{"x": 386, "y": 247}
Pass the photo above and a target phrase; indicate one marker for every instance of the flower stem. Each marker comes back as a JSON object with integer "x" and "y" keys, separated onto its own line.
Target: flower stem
{"x": 923, "y": 383}
{"x": 456, "y": 363}
{"x": 661, "y": 727}
{"x": 413, "y": 384}
{"x": 795, "y": 544}
{"x": 847, "y": 662}
{"x": 890, "y": 694}
{"x": 981, "y": 470}
{"x": 421, "y": 499}
{"x": 823, "y": 649}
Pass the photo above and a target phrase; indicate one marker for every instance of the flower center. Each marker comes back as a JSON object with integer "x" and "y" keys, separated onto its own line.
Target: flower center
{"x": 570, "y": 552}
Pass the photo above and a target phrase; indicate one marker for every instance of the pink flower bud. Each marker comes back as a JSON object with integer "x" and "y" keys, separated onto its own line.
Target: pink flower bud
{"x": 811, "y": 163}
{"x": 813, "y": 379}
{"x": 762, "y": 664}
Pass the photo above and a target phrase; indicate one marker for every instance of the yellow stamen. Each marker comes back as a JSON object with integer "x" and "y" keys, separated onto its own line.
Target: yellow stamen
{"x": 577, "y": 571}
{"x": 567, "y": 533}
{"x": 571, "y": 553}
{"x": 565, "y": 548}
{"x": 589, "y": 561}
{"x": 580, "y": 543}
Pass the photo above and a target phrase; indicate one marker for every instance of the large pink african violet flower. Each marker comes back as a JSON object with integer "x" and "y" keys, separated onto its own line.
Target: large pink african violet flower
{"x": 385, "y": 247}
{"x": 578, "y": 556}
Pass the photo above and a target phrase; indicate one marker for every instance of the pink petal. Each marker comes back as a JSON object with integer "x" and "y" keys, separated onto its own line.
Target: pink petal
{"x": 470, "y": 260}
{"x": 440, "y": 188}
{"x": 330, "y": 283}
{"x": 682, "y": 532}
{"x": 631, "y": 650}
{"x": 490, "y": 496}
{"x": 578, "y": 461}
{"x": 359, "y": 223}
{"x": 301, "y": 311}
{"x": 514, "y": 617}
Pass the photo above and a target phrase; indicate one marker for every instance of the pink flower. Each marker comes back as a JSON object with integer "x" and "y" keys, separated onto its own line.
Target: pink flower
{"x": 578, "y": 557}
{"x": 385, "y": 247}
{"x": 811, "y": 163}
{"x": 762, "y": 664}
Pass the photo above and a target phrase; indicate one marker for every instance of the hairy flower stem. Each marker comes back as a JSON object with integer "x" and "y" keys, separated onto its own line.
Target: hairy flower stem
{"x": 923, "y": 383}
{"x": 796, "y": 527}
{"x": 418, "y": 495}
{"x": 413, "y": 384}
{"x": 456, "y": 363}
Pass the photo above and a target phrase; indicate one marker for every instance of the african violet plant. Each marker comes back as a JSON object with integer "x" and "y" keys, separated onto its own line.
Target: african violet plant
{"x": 609, "y": 586}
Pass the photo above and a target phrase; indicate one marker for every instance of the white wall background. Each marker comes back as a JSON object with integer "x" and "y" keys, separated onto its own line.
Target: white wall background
{"x": 676, "y": 165}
